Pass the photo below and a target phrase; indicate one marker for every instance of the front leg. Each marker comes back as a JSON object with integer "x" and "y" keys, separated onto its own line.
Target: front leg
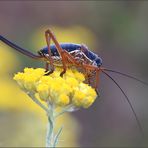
{"x": 46, "y": 67}
{"x": 47, "y": 72}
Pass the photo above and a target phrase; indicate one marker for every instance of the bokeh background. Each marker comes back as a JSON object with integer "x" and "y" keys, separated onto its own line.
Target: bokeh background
{"x": 117, "y": 31}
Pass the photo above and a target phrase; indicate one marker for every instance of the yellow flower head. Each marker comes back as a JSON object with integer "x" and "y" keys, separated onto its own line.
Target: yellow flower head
{"x": 60, "y": 91}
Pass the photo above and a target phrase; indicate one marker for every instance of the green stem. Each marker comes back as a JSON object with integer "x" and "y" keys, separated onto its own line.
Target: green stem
{"x": 50, "y": 128}
{"x": 51, "y": 138}
{"x": 49, "y": 133}
{"x": 57, "y": 136}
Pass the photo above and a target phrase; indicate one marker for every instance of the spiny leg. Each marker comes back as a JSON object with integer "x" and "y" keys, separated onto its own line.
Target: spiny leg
{"x": 87, "y": 76}
{"x": 64, "y": 63}
{"x": 69, "y": 59}
{"x": 60, "y": 50}
{"x": 97, "y": 70}
{"x": 97, "y": 80}
{"x": 65, "y": 56}
{"x": 47, "y": 36}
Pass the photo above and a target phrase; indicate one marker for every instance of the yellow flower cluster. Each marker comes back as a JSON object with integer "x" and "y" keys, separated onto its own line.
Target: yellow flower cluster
{"x": 57, "y": 90}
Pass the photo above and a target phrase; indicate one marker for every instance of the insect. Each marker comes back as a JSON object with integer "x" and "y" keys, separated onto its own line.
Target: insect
{"x": 77, "y": 55}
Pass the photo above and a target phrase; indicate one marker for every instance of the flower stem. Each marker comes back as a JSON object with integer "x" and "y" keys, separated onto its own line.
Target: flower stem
{"x": 57, "y": 136}
{"x": 51, "y": 137}
{"x": 50, "y": 128}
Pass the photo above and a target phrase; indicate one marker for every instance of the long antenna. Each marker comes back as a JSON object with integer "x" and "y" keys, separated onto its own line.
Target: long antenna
{"x": 19, "y": 49}
{"x": 138, "y": 122}
{"x": 126, "y": 75}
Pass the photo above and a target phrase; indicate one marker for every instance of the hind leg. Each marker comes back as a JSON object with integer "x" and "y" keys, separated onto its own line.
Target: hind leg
{"x": 64, "y": 55}
{"x": 48, "y": 39}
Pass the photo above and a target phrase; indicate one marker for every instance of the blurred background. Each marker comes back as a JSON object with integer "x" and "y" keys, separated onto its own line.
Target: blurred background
{"x": 116, "y": 31}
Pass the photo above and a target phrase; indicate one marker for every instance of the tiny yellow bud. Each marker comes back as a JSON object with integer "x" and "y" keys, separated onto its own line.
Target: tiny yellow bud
{"x": 88, "y": 101}
{"x": 78, "y": 98}
{"x": 43, "y": 91}
{"x": 19, "y": 78}
{"x": 62, "y": 100}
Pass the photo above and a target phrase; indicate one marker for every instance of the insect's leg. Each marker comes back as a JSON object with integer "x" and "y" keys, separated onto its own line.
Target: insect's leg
{"x": 61, "y": 51}
{"x": 64, "y": 63}
{"x": 47, "y": 36}
{"x": 46, "y": 67}
{"x": 88, "y": 78}
{"x": 97, "y": 70}
{"x": 87, "y": 75}
{"x": 97, "y": 78}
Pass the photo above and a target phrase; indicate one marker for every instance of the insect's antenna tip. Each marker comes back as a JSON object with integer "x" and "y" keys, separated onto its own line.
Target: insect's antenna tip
{"x": 136, "y": 117}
